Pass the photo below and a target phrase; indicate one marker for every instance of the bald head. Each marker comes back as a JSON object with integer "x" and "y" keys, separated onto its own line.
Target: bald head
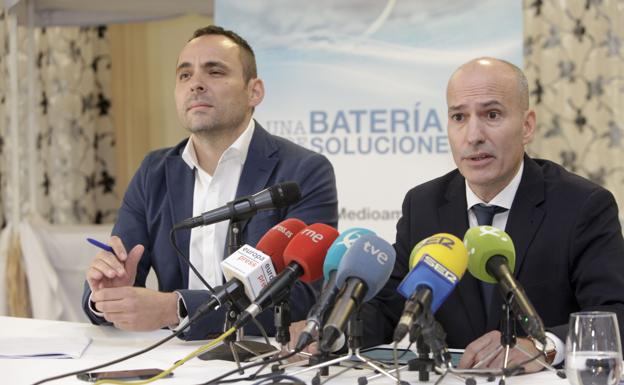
{"x": 497, "y": 67}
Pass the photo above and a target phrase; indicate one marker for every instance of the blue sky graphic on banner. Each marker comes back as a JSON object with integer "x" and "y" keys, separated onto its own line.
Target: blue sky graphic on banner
{"x": 363, "y": 82}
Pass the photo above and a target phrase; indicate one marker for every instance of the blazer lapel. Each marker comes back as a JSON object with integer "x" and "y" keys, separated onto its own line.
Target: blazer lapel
{"x": 453, "y": 218}
{"x": 180, "y": 180}
{"x": 259, "y": 165}
{"x": 525, "y": 218}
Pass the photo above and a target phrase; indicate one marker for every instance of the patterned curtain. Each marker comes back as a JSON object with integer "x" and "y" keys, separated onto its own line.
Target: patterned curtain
{"x": 574, "y": 60}
{"x": 74, "y": 163}
{"x": 65, "y": 160}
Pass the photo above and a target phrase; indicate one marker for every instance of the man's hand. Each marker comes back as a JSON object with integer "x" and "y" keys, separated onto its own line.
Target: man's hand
{"x": 295, "y": 330}
{"x": 137, "y": 308}
{"x": 108, "y": 270}
{"x": 483, "y": 347}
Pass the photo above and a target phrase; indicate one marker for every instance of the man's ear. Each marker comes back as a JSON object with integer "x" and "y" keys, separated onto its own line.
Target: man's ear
{"x": 256, "y": 91}
{"x": 528, "y": 126}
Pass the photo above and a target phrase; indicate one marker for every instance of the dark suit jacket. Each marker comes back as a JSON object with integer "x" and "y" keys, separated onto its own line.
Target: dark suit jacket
{"x": 161, "y": 194}
{"x": 569, "y": 253}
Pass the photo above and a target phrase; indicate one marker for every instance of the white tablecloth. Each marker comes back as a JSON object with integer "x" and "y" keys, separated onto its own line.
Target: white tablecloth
{"x": 109, "y": 343}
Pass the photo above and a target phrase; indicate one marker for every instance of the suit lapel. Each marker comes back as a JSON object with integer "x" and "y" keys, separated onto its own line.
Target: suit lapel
{"x": 525, "y": 218}
{"x": 453, "y": 218}
{"x": 259, "y": 165}
{"x": 180, "y": 180}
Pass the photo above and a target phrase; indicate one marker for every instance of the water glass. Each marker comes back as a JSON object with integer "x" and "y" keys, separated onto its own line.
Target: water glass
{"x": 593, "y": 349}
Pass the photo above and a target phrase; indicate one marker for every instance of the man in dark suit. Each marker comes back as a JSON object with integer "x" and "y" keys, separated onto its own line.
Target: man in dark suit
{"x": 228, "y": 155}
{"x": 568, "y": 239}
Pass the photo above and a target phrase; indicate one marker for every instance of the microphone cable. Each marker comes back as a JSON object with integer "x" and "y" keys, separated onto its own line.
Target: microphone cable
{"x": 174, "y": 244}
{"x": 218, "y": 379}
{"x": 176, "y": 365}
{"x": 127, "y": 357}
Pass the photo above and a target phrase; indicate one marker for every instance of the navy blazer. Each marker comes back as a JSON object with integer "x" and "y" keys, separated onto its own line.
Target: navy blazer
{"x": 161, "y": 194}
{"x": 569, "y": 253}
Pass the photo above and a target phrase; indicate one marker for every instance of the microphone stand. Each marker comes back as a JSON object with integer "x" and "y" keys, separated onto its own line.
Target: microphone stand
{"x": 434, "y": 336}
{"x": 355, "y": 333}
{"x": 282, "y": 319}
{"x": 235, "y": 345}
{"x": 422, "y": 363}
{"x": 508, "y": 341}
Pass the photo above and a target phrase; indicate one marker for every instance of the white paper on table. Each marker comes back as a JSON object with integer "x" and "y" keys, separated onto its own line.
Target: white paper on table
{"x": 43, "y": 347}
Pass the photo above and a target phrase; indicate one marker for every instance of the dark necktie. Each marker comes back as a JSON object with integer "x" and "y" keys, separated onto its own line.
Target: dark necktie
{"x": 485, "y": 215}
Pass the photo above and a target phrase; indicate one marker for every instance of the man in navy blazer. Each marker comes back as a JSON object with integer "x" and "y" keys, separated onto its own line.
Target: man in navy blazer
{"x": 216, "y": 91}
{"x": 568, "y": 239}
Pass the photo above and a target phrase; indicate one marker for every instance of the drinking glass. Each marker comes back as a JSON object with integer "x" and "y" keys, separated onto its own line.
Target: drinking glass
{"x": 593, "y": 349}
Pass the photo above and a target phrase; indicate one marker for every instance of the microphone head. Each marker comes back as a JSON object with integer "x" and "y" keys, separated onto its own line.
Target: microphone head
{"x": 370, "y": 259}
{"x": 285, "y": 194}
{"x": 414, "y": 253}
{"x": 447, "y": 249}
{"x": 308, "y": 248}
{"x": 340, "y": 247}
{"x": 274, "y": 242}
{"x": 437, "y": 262}
{"x": 484, "y": 242}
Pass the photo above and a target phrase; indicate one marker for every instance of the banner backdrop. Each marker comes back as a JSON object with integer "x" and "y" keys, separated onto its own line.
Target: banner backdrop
{"x": 363, "y": 82}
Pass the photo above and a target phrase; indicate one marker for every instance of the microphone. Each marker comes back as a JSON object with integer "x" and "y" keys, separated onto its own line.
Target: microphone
{"x": 492, "y": 259}
{"x": 251, "y": 267}
{"x": 363, "y": 271}
{"x": 279, "y": 195}
{"x": 304, "y": 257}
{"x": 255, "y": 267}
{"x": 274, "y": 242}
{"x": 330, "y": 290}
{"x": 437, "y": 264}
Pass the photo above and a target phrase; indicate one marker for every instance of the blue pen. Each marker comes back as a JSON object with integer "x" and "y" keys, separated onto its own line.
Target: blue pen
{"x": 101, "y": 245}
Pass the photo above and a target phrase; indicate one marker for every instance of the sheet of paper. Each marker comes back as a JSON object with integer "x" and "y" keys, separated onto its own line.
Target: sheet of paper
{"x": 43, "y": 347}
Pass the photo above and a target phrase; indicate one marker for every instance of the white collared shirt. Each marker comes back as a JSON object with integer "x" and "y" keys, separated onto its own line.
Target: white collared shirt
{"x": 207, "y": 243}
{"x": 503, "y": 199}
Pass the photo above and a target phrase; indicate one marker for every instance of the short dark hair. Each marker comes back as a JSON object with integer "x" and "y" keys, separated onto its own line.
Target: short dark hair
{"x": 247, "y": 56}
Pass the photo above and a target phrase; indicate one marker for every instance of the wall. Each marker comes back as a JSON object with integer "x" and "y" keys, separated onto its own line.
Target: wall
{"x": 143, "y": 66}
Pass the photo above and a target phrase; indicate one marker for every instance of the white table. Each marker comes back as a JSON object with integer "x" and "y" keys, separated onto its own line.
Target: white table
{"x": 109, "y": 343}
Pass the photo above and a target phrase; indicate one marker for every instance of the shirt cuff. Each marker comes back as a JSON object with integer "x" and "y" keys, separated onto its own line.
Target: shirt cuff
{"x": 92, "y": 307}
{"x": 182, "y": 313}
{"x": 559, "y": 347}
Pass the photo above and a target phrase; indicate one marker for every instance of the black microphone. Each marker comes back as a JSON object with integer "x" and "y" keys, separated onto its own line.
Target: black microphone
{"x": 279, "y": 195}
{"x": 232, "y": 291}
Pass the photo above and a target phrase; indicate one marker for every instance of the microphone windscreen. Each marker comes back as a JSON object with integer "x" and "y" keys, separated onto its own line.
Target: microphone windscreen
{"x": 339, "y": 248}
{"x": 438, "y": 263}
{"x": 285, "y": 194}
{"x": 446, "y": 249}
{"x": 308, "y": 248}
{"x": 370, "y": 259}
{"x": 412, "y": 261}
{"x": 484, "y": 242}
{"x": 274, "y": 242}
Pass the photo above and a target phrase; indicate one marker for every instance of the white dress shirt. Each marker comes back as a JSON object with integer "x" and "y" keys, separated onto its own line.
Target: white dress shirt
{"x": 503, "y": 199}
{"x": 207, "y": 243}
